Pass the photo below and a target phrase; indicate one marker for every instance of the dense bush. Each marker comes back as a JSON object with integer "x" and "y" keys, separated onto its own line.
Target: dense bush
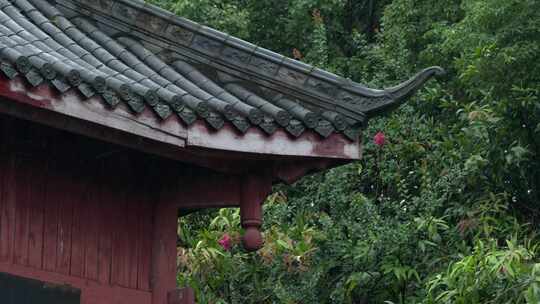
{"x": 445, "y": 212}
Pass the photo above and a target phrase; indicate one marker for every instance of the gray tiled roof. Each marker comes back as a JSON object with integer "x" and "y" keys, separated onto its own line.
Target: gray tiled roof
{"x": 134, "y": 53}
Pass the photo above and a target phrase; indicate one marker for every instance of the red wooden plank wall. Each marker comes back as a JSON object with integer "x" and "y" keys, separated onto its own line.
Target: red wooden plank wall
{"x": 73, "y": 209}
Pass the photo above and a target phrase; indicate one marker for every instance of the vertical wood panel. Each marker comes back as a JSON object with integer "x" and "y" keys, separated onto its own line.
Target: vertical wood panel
{"x": 23, "y": 187}
{"x": 65, "y": 224}
{"x": 51, "y": 212}
{"x": 4, "y": 178}
{"x": 120, "y": 261}
{"x": 107, "y": 203}
{"x": 35, "y": 246}
{"x": 134, "y": 199}
{"x": 92, "y": 227}
{"x": 142, "y": 227}
{"x": 88, "y": 221}
{"x": 105, "y": 243}
{"x": 133, "y": 244}
{"x": 145, "y": 231}
{"x": 78, "y": 235}
{"x": 7, "y": 212}
{"x": 83, "y": 188}
{"x": 37, "y": 195}
{"x": 145, "y": 249}
{"x": 4, "y": 165}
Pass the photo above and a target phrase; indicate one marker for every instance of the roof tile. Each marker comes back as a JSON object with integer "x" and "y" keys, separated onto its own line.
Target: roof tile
{"x": 204, "y": 73}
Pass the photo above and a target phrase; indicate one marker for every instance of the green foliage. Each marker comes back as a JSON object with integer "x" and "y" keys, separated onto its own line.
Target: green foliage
{"x": 446, "y": 212}
{"x": 490, "y": 274}
{"x": 225, "y": 15}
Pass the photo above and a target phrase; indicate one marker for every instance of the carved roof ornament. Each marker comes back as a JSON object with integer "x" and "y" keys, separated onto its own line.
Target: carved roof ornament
{"x": 132, "y": 52}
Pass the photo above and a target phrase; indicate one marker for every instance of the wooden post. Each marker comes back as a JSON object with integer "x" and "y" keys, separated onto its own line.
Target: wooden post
{"x": 182, "y": 296}
{"x": 164, "y": 252}
{"x": 253, "y": 191}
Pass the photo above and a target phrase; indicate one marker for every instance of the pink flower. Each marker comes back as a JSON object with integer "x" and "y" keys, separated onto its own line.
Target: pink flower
{"x": 379, "y": 139}
{"x": 225, "y": 242}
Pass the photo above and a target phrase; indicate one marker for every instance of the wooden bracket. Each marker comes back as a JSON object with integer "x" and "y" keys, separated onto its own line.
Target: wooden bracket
{"x": 253, "y": 191}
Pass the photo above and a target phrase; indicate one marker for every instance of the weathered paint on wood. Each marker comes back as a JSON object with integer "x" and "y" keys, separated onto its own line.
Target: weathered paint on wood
{"x": 80, "y": 212}
{"x": 67, "y": 203}
{"x": 70, "y": 104}
{"x": 281, "y": 143}
{"x": 60, "y": 209}
{"x": 15, "y": 93}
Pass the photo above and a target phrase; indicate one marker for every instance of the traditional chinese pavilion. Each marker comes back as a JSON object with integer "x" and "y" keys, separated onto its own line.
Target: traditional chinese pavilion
{"x": 116, "y": 117}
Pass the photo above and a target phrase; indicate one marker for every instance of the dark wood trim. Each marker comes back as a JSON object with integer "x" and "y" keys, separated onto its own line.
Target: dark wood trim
{"x": 92, "y": 292}
{"x": 211, "y": 190}
{"x": 89, "y": 118}
{"x": 290, "y": 171}
{"x": 16, "y": 290}
{"x": 93, "y": 118}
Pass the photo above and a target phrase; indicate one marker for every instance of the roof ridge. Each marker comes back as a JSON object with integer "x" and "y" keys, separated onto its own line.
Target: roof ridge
{"x": 320, "y": 88}
{"x": 259, "y": 51}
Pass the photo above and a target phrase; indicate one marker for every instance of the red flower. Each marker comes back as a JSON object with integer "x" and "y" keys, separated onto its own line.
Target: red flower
{"x": 225, "y": 242}
{"x": 379, "y": 139}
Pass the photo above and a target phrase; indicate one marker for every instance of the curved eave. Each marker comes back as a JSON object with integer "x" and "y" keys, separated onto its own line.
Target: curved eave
{"x": 68, "y": 110}
{"x": 316, "y": 88}
{"x": 280, "y": 143}
{"x": 399, "y": 94}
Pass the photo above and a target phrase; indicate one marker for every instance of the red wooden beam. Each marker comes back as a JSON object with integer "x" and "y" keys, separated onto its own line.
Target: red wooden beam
{"x": 70, "y": 104}
{"x": 210, "y": 189}
{"x": 205, "y": 190}
{"x": 170, "y": 132}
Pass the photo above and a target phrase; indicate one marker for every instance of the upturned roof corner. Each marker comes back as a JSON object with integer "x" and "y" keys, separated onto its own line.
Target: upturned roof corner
{"x": 399, "y": 94}
{"x": 133, "y": 52}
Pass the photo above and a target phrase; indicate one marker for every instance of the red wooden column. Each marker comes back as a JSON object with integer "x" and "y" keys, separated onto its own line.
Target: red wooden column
{"x": 164, "y": 252}
{"x": 182, "y": 296}
{"x": 253, "y": 191}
